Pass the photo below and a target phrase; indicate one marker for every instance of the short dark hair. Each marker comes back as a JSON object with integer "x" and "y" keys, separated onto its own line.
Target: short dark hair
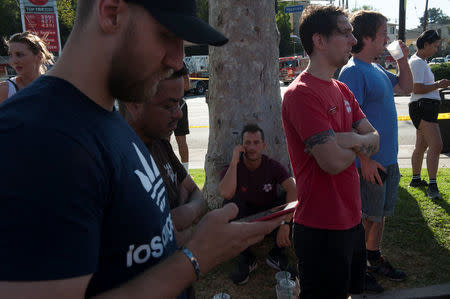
{"x": 365, "y": 24}
{"x": 252, "y": 128}
{"x": 429, "y": 36}
{"x": 318, "y": 19}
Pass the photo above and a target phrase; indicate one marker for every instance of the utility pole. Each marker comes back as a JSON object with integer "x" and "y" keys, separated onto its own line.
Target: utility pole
{"x": 401, "y": 21}
{"x": 425, "y": 17}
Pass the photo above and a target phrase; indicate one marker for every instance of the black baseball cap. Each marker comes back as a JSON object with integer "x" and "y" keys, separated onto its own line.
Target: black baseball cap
{"x": 180, "y": 17}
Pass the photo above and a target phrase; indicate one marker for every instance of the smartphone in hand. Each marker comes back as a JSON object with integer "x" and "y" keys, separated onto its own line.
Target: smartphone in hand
{"x": 271, "y": 213}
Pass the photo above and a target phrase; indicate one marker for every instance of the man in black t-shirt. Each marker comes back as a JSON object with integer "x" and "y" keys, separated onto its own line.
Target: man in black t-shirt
{"x": 84, "y": 210}
{"x": 153, "y": 124}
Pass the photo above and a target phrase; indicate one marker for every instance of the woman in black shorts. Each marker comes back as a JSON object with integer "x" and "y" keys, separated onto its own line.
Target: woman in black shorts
{"x": 423, "y": 110}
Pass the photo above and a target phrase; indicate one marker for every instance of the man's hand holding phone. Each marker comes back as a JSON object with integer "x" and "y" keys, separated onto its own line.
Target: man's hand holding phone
{"x": 237, "y": 152}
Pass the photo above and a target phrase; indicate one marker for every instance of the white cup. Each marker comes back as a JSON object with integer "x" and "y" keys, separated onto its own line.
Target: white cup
{"x": 285, "y": 289}
{"x": 395, "y": 50}
{"x": 282, "y": 275}
{"x": 221, "y": 296}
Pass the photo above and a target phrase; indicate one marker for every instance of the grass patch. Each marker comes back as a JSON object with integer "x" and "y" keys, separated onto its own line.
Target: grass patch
{"x": 416, "y": 240}
{"x": 198, "y": 175}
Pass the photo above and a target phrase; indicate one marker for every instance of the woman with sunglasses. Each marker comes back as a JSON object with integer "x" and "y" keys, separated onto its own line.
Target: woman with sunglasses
{"x": 423, "y": 110}
{"x": 28, "y": 56}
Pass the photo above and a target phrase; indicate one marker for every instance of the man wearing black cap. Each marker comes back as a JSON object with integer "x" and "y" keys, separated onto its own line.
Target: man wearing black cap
{"x": 83, "y": 206}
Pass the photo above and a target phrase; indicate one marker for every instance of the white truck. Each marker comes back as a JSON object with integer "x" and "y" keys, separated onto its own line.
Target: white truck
{"x": 198, "y": 73}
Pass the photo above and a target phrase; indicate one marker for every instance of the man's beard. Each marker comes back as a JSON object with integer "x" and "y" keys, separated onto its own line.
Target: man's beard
{"x": 124, "y": 86}
{"x": 123, "y": 82}
{"x": 253, "y": 158}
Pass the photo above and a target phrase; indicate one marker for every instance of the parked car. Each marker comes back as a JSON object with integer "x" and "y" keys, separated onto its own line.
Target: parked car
{"x": 437, "y": 60}
{"x": 447, "y": 58}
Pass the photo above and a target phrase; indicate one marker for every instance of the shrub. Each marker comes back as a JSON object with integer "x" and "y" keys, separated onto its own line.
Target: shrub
{"x": 441, "y": 71}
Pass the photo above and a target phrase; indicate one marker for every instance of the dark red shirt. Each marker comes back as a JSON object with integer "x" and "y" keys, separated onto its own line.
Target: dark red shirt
{"x": 259, "y": 187}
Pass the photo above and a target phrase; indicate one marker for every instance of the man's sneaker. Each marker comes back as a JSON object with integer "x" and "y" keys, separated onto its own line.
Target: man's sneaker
{"x": 372, "y": 286}
{"x": 246, "y": 265}
{"x": 383, "y": 267}
{"x": 418, "y": 183}
{"x": 277, "y": 261}
{"x": 433, "y": 192}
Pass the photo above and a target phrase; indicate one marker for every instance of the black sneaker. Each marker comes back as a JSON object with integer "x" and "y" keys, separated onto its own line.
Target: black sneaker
{"x": 372, "y": 286}
{"x": 246, "y": 265}
{"x": 277, "y": 261}
{"x": 383, "y": 267}
{"x": 433, "y": 192}
{"x": 418, "y": 183}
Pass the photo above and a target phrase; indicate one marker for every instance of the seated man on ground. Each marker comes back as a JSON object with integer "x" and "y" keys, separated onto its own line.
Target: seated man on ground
{"x": 250, "y": 181}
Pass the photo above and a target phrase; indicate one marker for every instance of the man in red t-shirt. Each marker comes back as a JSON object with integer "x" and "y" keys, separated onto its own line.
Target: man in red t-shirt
{"x": 325, "y": 130}
{"x": 250, "y": 181}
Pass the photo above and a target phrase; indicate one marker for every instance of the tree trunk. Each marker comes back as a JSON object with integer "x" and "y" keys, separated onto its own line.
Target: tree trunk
{"x": 244, "y": 86}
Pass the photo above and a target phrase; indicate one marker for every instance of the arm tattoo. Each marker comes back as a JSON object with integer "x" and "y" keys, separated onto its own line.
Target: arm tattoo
{"x": 368, "y": 150}
{"x": 356, "y": 123}
{"x": 319, "y": 138}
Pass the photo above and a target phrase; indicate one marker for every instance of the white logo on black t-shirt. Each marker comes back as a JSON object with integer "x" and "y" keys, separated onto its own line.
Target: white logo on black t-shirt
{"x": 267, "y": 187}
{"x": 170, "y": 173}
{"x": 151, "y": 180}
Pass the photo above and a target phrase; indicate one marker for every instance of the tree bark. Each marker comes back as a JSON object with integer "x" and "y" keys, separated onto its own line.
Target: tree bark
{"x": 244, "y": 86}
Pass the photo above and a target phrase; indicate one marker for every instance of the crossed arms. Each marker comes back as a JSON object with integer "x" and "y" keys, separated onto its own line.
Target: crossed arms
{"x": 335, "y": 152}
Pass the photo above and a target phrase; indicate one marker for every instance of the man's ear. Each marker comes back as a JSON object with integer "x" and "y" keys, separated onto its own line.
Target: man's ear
{"x": 365, "y": 40}
{"x": 111, "y": 14}
{"x": 318, "y": 40}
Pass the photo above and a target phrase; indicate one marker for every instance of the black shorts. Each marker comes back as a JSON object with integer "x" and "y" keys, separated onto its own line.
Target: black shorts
{"x": 426, "y": 109}
{"x": 331, "y": 263}
{"x": 183, "y": 123}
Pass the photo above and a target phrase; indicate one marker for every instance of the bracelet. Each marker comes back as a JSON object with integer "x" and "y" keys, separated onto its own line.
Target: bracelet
{"x": 193, "y": 260}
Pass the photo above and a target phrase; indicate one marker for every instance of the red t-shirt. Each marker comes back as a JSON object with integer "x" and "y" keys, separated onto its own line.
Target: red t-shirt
{"x": 311, "y": 106}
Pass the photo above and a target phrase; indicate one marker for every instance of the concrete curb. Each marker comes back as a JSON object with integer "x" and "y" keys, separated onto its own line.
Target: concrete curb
{"x": 434, "y": 291}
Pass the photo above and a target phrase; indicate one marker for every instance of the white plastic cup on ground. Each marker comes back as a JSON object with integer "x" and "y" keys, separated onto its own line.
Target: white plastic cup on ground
{"x": 221, "y": 296}
{"x": 285, "y": 289}
{"x": 282, "y": 275}
{"x": 395, "y": 50}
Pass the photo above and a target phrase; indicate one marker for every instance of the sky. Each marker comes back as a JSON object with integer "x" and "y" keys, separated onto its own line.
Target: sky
{"x": 390, "y": 8}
